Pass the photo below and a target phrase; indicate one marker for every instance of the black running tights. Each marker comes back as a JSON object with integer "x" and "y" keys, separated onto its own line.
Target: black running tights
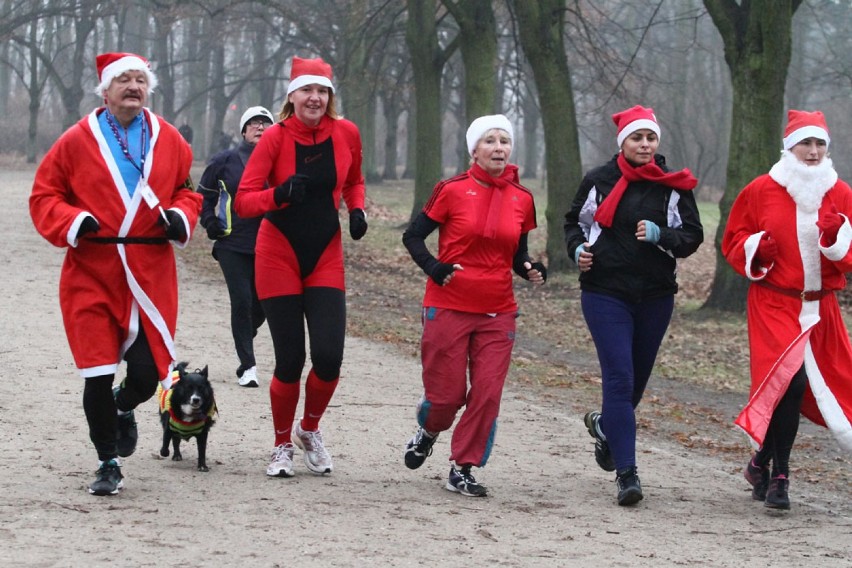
{"x": 100, "y": 406}
{"x": 783, "y": 427}
{"x": 324, "y": 309}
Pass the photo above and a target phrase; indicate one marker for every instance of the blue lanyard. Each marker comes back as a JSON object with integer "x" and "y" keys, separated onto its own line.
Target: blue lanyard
{"x": 122, "y": 142}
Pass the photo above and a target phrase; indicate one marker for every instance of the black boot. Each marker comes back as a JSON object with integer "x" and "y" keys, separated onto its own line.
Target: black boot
{"x": 629, "y": 488}
{"x": 776, "y": 494}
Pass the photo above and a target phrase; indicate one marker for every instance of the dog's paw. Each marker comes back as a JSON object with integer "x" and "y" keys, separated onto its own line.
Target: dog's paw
{"x": 204, "y": 468}
{"x": 177, "y": 457}
{"x": 164, "y": 452}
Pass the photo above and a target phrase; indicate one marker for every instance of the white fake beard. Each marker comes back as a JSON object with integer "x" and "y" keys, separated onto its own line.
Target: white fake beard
{"x": 807, "y": 185}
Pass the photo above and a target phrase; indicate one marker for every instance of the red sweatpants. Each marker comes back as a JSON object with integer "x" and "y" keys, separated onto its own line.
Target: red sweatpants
{"x": 454, "y": 342}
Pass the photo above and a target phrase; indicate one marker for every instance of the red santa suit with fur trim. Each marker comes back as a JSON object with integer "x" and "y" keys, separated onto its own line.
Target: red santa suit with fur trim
{"x": 786, "y": 332}
{"x": 105, "y": 290}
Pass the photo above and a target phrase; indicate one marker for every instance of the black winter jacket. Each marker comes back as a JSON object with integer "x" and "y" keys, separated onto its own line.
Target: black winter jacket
{"x": 623, "y": 266}
{"x": 218, "y": 185}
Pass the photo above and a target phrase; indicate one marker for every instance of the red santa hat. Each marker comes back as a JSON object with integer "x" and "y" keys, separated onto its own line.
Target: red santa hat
{"x": 633, "y": 119}
{"x": 308, "y": 72}
{"x": 111, "y": 65}
{"x": 483, "y": 124}
{"x": 802, "y": 124}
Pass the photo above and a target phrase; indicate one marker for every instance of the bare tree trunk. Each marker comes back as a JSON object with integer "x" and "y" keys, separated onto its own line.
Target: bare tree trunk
{"x": 35, "y": 88}
{"x": 757, "y": 38}
{"x": 540, "y": 25}
{"x": 410, "y": 139}
{"x": 529, "y": 106}
{"x": 478, "y": 47}
{"x": 163, "y": 23}
{"x": 427, "y": 62}
{"x": 392, "y": 111}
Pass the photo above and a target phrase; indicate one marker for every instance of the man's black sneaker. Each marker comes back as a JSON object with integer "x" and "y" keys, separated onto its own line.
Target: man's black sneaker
{"x": 776, "y": 494}
{"x": 419, "y": 448}
{"x": 602, "y": 454}
{"x": 629, "y": 489}
{"x": 108, "y": 479}
{"x": 758, "y": 477}
{"x": 127, "y": 434}
{"x": 462, "y": 481}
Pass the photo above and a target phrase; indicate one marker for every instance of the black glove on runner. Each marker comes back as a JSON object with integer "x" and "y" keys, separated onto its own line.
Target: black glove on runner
{"x": 213, "y": 231}
{"x": 89, "y": 225}
{"x": 357, "y": 224}
{"x": 175, "y": 231}
{"x": 292, "y": 190}
{"x": 440, "y": 271}
{"x": 541, "y": 268}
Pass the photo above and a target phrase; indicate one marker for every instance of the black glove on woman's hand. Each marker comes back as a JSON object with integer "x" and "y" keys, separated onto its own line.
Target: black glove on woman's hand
{"x": 213, "y": 231}
{"x": 89, "y": 225}
{"x": 175, "y": 231}
{"x": 542, "y": 269}
{"x": 357, "y": 224}
{"x": 440, "y": 271}
{"x": 292, "y": 190}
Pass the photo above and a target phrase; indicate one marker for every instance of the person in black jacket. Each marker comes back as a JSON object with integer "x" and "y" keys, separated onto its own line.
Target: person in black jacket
{"x": 235, "y": 238}
{"x": 629, "y": 222}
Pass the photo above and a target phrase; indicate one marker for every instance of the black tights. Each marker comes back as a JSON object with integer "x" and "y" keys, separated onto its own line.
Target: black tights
{"x": 324, "y": 309}
{"x": 100, "y": 406}
{"x": 783, "y": 428}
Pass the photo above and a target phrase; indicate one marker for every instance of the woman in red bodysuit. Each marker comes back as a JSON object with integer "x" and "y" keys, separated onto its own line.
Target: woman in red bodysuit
{"x": 295, "y": 178}
{"x": 483, "y": 217}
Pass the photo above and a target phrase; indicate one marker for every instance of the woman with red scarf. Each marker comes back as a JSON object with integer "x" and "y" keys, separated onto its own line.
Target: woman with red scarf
{"x": 629, "y": 222}
{"x": 469, "y": 310}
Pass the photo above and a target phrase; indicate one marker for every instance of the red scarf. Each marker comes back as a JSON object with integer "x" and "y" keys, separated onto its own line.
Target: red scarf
{"x": 650, "y": 172}
{"x": 510, "y": 174}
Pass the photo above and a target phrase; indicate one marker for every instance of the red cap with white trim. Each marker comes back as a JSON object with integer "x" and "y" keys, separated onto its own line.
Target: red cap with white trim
{"x": 111, "y": 65}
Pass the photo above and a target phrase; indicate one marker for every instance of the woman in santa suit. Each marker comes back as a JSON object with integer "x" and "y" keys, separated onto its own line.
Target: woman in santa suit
{"x": 788, "y": 232}
{"x": 295, "y": 178}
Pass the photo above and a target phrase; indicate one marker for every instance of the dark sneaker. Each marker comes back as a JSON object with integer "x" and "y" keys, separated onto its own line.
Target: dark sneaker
{"x": 758, "y": 477}
{"x": 462, "y": 481}
{"x": 108, "y": 479}
{"x": 419, "y": 448}
{"x": 776, "y": 493}
{"x": 629, "y": 488}
{"x": 602, "y": 454}
{"x": 128, "y": 434}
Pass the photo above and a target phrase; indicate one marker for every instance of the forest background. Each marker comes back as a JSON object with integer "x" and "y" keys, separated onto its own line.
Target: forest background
{"x": 684, "y": 58}
{"x": 413, "y": 73}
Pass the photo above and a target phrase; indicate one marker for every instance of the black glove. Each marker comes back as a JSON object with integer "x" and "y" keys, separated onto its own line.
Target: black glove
{"x": 541, "y": 268}
{"x": 213, "y": 231}
{"x": 440, "y": 271}
{"x": 175, "y": 230}
{"x": 292, "y": 190}
{"x": 89, "y": 225}
{"x": 357, "y": 224}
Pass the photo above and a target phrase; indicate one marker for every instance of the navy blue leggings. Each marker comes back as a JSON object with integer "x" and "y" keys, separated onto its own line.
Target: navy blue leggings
{"x": 627, "y": 337}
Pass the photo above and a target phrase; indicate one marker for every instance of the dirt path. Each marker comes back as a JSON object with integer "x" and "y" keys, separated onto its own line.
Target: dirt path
{"x": 549, "y": 506}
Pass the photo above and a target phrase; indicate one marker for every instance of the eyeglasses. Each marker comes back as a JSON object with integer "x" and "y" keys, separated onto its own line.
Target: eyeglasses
{"x": 257, "y": 122}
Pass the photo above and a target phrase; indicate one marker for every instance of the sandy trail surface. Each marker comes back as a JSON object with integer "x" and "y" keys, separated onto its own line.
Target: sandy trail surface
{"x": 549, "y": 504}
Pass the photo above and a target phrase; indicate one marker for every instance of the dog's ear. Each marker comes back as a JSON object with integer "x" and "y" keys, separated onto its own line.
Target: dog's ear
{"x": 204, "y": 372}
{"x": 181, "y": 368}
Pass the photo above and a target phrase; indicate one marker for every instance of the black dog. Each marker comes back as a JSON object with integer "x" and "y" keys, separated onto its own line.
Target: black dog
{"x": 187, "y": 410}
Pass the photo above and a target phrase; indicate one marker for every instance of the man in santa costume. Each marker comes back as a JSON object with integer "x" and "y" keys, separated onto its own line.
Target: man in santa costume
{"x": 115, "y": 190}
{"x": 789, "y": 233}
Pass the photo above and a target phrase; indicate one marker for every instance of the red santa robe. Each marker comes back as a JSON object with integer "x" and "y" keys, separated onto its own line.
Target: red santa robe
{"x": 105, "y": 290}
{"x": 787, "y": 332}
